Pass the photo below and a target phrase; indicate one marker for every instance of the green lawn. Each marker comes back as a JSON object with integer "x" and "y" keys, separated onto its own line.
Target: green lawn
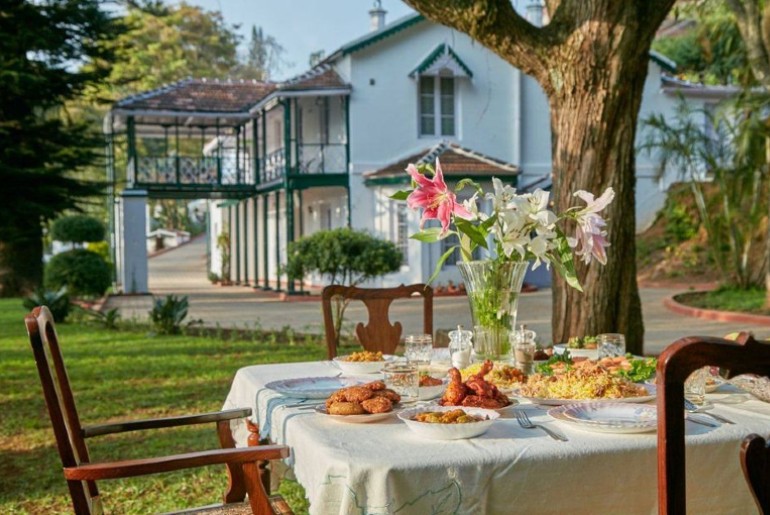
{"x": 728, "y": 299}
{"x": 122, "y": 375}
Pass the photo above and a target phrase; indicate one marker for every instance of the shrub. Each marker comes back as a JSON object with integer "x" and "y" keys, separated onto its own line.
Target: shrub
{"x": 83, "y": 273}
{"x": 56, "y": 301}
{"x": 77, "y": 229}
{"x": 168, "y": 314}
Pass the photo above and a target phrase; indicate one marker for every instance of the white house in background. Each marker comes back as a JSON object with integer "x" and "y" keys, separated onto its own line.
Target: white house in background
{"x": 282, "y": 160}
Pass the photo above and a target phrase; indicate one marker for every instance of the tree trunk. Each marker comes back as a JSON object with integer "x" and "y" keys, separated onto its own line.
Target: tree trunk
{"x": 21, "y": 261}
{"x": 591, "y": 60}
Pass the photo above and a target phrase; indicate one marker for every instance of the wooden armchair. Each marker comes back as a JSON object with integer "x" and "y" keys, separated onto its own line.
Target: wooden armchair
{"x": 378, "y": 334}
{"x": 81, "y": 474}
{"x": 676, "y": 362}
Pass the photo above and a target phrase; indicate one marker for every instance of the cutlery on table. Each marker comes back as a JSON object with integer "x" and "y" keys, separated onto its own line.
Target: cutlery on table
{"x": 526, "y": 423}
{"x": 692, "y": 408}
{"x": 701, "y": 422}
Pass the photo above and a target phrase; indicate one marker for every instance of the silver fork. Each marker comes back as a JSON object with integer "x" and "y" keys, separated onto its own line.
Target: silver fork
{"x": 690, "y": 407}
{"x": 526, "y": 423}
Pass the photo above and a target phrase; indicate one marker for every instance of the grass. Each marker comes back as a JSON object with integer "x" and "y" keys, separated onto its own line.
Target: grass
{"x": 127, "y": 374}
{"x": 728, "y": 299}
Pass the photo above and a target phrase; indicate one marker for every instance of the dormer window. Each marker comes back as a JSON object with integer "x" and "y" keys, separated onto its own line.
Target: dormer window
{"x": 437, "y": 76}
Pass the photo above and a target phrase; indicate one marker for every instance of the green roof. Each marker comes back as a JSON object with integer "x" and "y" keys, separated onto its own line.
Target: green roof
{"x": 440, "y": 51}
{"x": 378, "y": 35}
{"x": 663, "y": 61}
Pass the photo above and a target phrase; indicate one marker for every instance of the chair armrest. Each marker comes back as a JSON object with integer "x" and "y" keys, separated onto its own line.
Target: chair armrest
{"x": 131, "y": 468}
{"x": 157, "y": 423}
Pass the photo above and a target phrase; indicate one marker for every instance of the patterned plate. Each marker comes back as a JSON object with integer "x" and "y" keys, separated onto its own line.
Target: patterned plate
{"x": 311, "y": 387}
{"x": 608, "y": 417}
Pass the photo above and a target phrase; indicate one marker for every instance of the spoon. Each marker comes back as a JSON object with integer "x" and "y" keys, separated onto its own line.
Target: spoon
{"x": 692, "y": 408}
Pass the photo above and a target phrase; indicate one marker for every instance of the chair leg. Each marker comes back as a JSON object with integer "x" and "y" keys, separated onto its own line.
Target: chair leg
{"x": 260, "y": 504}
{"x": 236, "y": 486}
{"x": 253, "y": 441}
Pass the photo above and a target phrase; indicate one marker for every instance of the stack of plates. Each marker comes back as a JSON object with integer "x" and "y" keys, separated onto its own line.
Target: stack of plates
{"x": 608, "y": 417}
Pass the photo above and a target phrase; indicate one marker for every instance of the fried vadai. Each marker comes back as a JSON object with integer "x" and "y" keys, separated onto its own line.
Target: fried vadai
{"x": 346, "y": 408}
{"x": 357, "y": 393}
{"x": 377, "y": 405}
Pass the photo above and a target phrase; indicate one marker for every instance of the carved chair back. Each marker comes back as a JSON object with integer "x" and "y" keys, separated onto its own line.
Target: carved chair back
{"x": 379, "y": 334}
{"x": 675, "y": 364}
{"x": 61, "y": 406}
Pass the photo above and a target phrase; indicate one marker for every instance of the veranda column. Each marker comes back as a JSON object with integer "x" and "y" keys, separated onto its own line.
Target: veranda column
{"x": 133, "y": 247}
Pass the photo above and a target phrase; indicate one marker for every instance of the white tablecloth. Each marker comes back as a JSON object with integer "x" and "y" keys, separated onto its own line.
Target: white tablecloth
{"x": 385, "y": 468}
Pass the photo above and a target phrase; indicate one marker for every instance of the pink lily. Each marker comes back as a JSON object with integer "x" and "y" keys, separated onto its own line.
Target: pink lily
{"x": 591, "y": 235}
{"x": 433, "y": 196}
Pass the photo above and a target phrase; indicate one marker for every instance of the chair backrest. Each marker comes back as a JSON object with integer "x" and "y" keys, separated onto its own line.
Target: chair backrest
{"x": 61, "y": 406}
{"x": 379, "y": 334}
{"x": 675, "y": 364}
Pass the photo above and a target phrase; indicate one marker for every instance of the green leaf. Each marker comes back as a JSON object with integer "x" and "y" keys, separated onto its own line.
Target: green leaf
{"x": 468, "y": 182}
{"x": 565, "y": 264}
{"x": 478, "y": 237}
{"x": 440, "y": 263}
{"x": 401, "y": 195}
{"x": 430, "y": 235}
{"x": 488, "y": 223}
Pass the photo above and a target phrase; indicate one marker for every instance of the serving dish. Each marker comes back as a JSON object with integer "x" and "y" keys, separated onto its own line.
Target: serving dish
{"x": 356, "y": 419}
{"x": 361, "y": 367}
{"x": 608, "y": 417}
{"x": 311, "y": 387}
{"x": 558, "y": 402}
{"x": 428, "y": 393}
{"x": 448, "y": 431}
{"x": 559, "y": 348}
{"x": 503, "y": 410}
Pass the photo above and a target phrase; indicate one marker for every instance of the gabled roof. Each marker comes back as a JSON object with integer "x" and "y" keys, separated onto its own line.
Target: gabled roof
{"x": 200, "y": 95}
{"x": 373, "y": 37}
{"x": 320, "y": 77}
{"x": 456, "y": 162}
{"x": 442, "y": 57}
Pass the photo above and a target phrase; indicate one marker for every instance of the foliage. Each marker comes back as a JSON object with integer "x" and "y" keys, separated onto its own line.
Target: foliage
{"x": 83, "y": 272}
{"x": 167, "y": 315}
{"x": 123, "y": 376}
{"x": 102, "y": 248}
{"x": 680, "y": 224}
{"x": 734, "y": 161}
{"x": 57, "y": 301}
{"x": 341, "y": 256}
{"x": 77, "y": 229}
{"x": 264, "y": 57}
{"x": 43, "y": 149}
{"x": 107, "y": 319}
{"x": 728, "y": 298}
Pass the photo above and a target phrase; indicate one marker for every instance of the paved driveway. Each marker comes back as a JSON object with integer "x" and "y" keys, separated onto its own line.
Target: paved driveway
{"x": 181, "y": 272}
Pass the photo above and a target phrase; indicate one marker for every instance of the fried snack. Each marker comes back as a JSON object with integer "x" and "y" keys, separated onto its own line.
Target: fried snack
{"x": 455, "y": 391}
{"x": 426, "y": 380}
{"x": 457, "y": 416}
{"x": 338, "y": 396}
{"x": 477, "y": 390}
{"x": 346, "y": 408}
{"x": 388, "y": 394}
{"x": 377, "y": 405}
{"x": 502, "y": 375}
{"x": 476, "y": 401}
{"x": 375, "y": 385}
{"x": 357, "y": 393}
{"x": 365, "y": 356}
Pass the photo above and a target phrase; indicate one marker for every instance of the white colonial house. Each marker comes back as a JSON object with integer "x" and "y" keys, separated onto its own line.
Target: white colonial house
{"x": 278, "y": 161}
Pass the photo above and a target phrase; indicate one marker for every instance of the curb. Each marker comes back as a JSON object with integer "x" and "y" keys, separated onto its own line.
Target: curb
{"x": 712, "y": 314}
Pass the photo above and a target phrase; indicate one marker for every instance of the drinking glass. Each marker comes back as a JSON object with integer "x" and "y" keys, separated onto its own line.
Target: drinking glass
{"x": 402, "y": 377}
{"x": 418, "y": 349}
{"x": 524, "y": 346}
{"x": 611, "y": 345}
{"x": 695, "y": 386}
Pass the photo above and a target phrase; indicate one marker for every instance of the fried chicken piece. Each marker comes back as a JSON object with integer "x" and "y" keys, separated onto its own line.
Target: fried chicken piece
{"x": 474, "y": 401}
{"x": 346, "y": 408}
{"x": 338, "y": 396}
{"x": 377, "y": 405}
{"x": 357, "y": 393}
{"x": 375, "y": 385}
{"x": 388, "y": 394}
{"x": 455, "y": 391}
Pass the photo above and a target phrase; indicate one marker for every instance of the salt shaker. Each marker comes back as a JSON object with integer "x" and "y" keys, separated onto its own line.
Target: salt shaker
{"x": 460, "y": 347}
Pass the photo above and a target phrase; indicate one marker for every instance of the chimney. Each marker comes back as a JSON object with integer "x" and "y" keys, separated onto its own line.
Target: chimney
{"x": 377, "y": 16}
{"x": 535, "y": 13}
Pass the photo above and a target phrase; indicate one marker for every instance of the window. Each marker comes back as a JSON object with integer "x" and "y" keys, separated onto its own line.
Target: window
{"x": 437, "y": 105}
{"x": 402, "y": 233}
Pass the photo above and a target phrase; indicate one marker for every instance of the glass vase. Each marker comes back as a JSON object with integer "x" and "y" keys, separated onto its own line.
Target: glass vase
{"x": 493, "y": 289}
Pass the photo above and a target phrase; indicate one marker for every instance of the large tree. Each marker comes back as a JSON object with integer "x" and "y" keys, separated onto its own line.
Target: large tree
{"x": 591, "y": 61}
{"x": 43, "y": 47}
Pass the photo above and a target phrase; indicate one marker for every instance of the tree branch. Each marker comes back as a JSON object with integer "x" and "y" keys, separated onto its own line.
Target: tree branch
{"x": 751, "y": 23}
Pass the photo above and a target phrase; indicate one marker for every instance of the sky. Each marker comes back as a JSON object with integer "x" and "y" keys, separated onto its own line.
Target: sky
{"x": 303, "y": 26}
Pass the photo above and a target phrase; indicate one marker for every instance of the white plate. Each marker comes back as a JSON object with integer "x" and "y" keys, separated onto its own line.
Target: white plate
{"x": 361, "y": 367}
{"x": 558, "y": 402}
{"x": 355, "y": 419}
{"x": 311, "y": 387}
{"x": 576, "y": 353}
{"x": 448, "y": 431}
{"x": 613, "y": 414}
{"x": 642, "y": 427}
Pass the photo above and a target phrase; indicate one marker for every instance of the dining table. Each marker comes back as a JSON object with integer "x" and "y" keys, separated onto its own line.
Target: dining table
{"x": 383, "y": 467}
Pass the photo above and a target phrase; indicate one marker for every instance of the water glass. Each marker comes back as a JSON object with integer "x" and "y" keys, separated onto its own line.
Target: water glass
{"x": 524, "y": 346}
{"x": 418, "y": 349}
{"x": 695, "y": 386}
{"x": 402, "y": 377}
{"x": 611, "y": 345}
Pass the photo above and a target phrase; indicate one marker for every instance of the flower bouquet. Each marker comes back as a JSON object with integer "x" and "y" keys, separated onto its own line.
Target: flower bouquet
{"x": 519, "y": 229}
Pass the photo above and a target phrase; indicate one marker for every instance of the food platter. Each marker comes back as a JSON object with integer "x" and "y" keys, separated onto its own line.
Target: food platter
{"x": 355, "y": 419}
{"x": 559, "y": 402}
{"x": 503, "y": 410}
{"x": 361, "y": 367}
{"x": 608, "y": 417}
{"x": 448, "y": 431}
{"x": 559, "y": 348}
{"x": 311, "y": 387}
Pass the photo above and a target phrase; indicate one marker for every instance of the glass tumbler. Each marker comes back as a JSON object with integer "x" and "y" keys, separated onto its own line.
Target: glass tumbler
{"x": 402, "y": 377}
{"x": 418, "y": 349}
{"x": 695, "y": 386}
{"x": 611, "y": 345}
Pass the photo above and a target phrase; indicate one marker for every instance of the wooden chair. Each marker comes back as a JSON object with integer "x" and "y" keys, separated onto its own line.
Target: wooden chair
{"x": 81, "y": 474}
{"x": 676, "y": 362}
{"x": 378, "y": 334}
